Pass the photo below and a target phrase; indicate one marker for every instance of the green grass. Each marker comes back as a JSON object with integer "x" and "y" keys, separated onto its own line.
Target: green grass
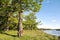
{"x": 27, "y": 35}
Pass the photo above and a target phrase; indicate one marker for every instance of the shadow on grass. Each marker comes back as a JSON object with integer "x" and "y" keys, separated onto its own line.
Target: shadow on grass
{"x": 59, "y": 38}
{"x": 9, "y": 34}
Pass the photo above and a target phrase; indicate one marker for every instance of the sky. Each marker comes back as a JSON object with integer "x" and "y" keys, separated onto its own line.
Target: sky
{"x": 49, "y": 14}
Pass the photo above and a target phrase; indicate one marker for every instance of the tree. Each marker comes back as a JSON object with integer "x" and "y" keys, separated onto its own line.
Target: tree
{"x": 30, "y": 21}
{"x": 13, "y": 21}
{"x": 25, "y": 5}
{"x": 10, "y": 6}
{"x": 6, "y": 10}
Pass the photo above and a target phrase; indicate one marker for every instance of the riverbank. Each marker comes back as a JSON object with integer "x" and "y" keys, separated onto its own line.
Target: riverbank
{"x": 27, "y": 35}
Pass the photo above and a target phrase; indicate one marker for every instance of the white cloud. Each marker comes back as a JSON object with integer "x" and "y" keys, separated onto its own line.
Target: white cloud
{"x": 54, "y": 20}
{"x": 48, "y": 27}
{"x": 42, "y": 26}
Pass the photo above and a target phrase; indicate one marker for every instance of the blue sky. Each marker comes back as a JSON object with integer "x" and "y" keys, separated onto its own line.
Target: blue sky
{"x": 49, "y": 14}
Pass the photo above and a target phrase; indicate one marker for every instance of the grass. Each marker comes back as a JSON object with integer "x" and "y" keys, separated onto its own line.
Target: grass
{"x": 27, "y": 35}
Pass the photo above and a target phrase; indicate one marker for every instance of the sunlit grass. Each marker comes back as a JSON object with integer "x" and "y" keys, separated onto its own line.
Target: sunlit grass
{"x": 27, "y": 35}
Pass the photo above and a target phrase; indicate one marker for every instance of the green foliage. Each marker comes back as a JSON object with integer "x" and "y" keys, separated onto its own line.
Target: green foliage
{"x": 2, "y": 22}
{"x": 30, "y": 21}
{"x": 8, "y": 9}
{"x": 24, "y": 5}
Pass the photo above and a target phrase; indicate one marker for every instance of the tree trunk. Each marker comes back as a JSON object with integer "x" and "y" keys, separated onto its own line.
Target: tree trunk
{"x": 20, "y": 29}
{"x": 7, "y": 27}
{"x": 7, "y": 22}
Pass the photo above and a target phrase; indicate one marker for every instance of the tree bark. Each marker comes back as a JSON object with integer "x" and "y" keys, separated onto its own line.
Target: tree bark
{"x": 7, "y": 22}
{"x": 20, "y": 29}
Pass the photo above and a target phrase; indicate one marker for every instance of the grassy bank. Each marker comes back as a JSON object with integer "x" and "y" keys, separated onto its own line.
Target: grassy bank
{"x": 27, "y": 35}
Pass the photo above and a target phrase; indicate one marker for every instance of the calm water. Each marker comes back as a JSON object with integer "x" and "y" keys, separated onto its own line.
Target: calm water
{"x": 53, "y": 32}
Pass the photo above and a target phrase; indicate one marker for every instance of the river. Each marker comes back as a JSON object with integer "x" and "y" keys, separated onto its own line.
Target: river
{"x": 53, "y": 32}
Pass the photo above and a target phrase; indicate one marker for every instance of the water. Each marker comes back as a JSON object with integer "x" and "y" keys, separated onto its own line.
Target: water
{"x": 53, "y": 32}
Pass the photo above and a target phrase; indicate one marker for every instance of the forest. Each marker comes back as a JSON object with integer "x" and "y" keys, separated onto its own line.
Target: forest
{"x": 14, "y": 23}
